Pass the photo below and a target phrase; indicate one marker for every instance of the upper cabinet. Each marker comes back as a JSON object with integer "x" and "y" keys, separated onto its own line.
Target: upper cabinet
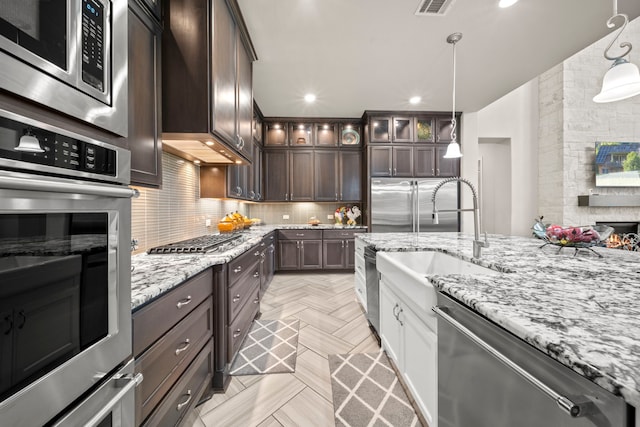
{"x": 318, "y": 133}
{"x": 145, "y": 35}
{"x": 207, "y": 80}
{"x": 408, "y": 127}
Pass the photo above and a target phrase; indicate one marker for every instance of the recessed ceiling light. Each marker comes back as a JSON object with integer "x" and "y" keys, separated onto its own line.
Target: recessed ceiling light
{"x": 415, "y": 100}
{"x": 507, "y": 3}
{"x": 196, "y": 162}
{"x": 209, "y": 143}
{"x": 238, "y": 162}
{"x": 309, "y": 97}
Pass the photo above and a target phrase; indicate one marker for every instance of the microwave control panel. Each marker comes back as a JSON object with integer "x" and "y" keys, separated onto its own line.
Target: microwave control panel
{"x": 93, "y": 13}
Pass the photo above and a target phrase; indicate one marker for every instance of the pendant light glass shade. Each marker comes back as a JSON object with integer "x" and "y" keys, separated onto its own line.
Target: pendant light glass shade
{"x": 622, "y": 81}
{"x": 453, "y": 151}
{"x": 30, "y": 144}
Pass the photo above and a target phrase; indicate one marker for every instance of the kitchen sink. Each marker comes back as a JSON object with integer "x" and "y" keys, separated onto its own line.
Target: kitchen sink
{"x": 407, "y": 272}
{"x": 431, "y": 262}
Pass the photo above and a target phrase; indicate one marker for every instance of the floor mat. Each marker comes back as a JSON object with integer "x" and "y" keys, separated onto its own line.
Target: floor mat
{"x": 270, "y": 347}
{"x": 367, "y": 392}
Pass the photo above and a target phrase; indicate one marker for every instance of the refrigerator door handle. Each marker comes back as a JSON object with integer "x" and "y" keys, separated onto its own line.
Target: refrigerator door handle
{"x": 417, "y": 205}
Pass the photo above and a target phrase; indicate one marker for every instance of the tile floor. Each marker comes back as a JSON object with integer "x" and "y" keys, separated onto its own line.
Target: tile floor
{"x": 331, "y": 322}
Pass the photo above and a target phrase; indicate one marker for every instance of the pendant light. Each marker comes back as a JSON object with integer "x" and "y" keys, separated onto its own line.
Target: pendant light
{"x": 453, "y": 149}
{"x": 622, "y": 81}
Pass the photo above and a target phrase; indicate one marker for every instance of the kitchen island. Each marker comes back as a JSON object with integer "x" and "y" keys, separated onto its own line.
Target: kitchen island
{"x": 580, "y": 310}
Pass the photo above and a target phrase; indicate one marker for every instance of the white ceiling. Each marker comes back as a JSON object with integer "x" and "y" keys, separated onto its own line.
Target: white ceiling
{"x": 358, "y": 55}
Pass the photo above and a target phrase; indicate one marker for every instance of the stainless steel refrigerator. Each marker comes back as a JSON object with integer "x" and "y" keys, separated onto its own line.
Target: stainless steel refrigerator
{"x": 404, "y": 205}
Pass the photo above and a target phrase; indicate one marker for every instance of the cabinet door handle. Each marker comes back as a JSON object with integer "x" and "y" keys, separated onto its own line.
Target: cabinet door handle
{"x": 262, "y": 244}
{"x": 256, "y": 274}
{"x": 236, "y": 298}
{"x": 9, "y": 321}
{"x": 238, "y": 269}
{"x": 186, "y": 343}
{"x": 292, "y": 195}
{"x": 342, "y": 244}
{"x": 389, "y": 171}
{"x": 23, "y": 319}
{"x": 395, "y": 171}
{"x": 237, "y": 333}
{"x": 340, "y": 196}
{"x": 438, "y": 171}
{"x": 184, "y": 301}
{"x": 185, "y": 403}
{"x": 256, "y": 301}
{"x": 302, "y": 243}
{"x": 346, "y": 244}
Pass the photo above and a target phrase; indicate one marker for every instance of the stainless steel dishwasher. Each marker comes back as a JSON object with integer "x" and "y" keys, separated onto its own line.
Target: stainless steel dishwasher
{"x": 487, "y": 377}
{"x": 372, "y": 278}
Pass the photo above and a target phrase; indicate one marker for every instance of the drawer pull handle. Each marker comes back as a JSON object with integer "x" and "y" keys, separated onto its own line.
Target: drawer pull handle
{"x": 186, "y": 345}
{"x": 237, "y": 333}
{"x": 256, "y": 301}
{"x": 238, "y": 269}
{"x": 262, "y": 244}
{"x": 300, "y": 234}
{"x": 184, "y": 301}
{"x": 185, "y": 403}
{"x": 236, "y": 298}
{"x": 256, "y": 274}
{"x": 256, "y": 253}
{"x": 344, "y": 234}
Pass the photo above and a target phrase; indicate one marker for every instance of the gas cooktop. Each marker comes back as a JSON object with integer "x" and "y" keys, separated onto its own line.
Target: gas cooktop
{"x": 202, "y": 244}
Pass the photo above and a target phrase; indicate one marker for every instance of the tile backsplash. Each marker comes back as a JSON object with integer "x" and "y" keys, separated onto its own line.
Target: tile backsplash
{"x": 176, "y": 212}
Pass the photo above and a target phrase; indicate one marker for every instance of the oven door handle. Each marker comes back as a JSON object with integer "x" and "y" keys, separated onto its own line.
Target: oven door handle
{"x": 30, "y": 184}
{"x": 130, "y": 382}
{"x": 567, "y": 405}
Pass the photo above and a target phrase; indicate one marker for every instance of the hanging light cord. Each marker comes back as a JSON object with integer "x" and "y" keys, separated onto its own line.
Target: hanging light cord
{"x": 453, "y": 112}
{"x": 610, "y": 24}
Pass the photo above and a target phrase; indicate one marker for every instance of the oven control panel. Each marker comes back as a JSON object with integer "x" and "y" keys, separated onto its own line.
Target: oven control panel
{"x": 34, "y": 145}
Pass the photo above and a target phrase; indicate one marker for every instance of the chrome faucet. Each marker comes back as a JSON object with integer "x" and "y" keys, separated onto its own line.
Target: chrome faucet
{"x": 477, "y": 243}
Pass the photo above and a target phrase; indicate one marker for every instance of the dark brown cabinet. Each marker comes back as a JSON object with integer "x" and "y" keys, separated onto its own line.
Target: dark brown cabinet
{"x": 380, "y": 129}
{"x": 443, "y": 129}
{"x": 423, "y": 130}
{"x": 207, "y": 75}
{"x": 301, "y": 134}
{"x": 338, "y": 249}
{"x": 424, "y": 158}
{"x": 299, "y": 249}
{"x": 289, "y": 175}
{"x": 326, "y": 134}
{"x": 301, "y": 176}
{"x": 402, "y": 129}
{"x": 350, "y": 135}
{"x": 338, "y": 175}
{"x": 276, "y": 135}
{"x": 172, "y": 344}
{"x": 255, "y": 176}
{"x": 267, "y": 261}
{"x": 145, "y": 107}
{"x": 276, "y": 175}
{"x": 391, "y": 161}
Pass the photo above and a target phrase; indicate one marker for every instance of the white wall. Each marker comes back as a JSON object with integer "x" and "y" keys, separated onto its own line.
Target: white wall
{"x": 513, "y": 117}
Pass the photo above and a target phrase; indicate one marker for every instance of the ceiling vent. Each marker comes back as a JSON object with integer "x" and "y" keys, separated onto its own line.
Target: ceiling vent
{"x": 433, "y": 7}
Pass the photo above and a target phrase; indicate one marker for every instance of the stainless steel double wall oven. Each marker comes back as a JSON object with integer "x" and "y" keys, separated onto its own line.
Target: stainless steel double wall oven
{"x": 65, "y": 278}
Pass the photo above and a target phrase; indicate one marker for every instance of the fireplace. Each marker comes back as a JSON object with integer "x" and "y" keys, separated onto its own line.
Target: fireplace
{"x": 626, "y": 235}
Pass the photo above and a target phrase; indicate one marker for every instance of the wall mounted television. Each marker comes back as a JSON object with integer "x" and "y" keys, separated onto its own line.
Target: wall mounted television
{"x": 617, "y": 164}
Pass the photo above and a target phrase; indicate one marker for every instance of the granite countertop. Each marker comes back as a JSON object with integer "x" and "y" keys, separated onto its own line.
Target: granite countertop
{"x": 581, "y": 310}
{"x": 154, "y": 275}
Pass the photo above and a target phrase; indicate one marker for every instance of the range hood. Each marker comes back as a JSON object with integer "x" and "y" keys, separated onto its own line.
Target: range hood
{"x": 201, "y": 147}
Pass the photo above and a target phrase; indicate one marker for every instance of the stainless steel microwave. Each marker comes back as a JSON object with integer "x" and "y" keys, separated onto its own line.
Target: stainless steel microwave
{"x": 69, "y": 55}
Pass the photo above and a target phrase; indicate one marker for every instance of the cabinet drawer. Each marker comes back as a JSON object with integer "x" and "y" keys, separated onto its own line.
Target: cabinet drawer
{"x": 299, "y": 234}
{"x": 154, "y": 320}
{"x": 240, "y": 326}
{"x": 187, "y": 392}
{"x": 340, "y": 234}
{"x": 241, "y": 291}
{"x": 239, "y": 266}
{"x": 168, "y": 358}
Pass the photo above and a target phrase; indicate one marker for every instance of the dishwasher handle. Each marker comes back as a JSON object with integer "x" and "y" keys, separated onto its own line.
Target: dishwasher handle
{"x": 567, "y": 405}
